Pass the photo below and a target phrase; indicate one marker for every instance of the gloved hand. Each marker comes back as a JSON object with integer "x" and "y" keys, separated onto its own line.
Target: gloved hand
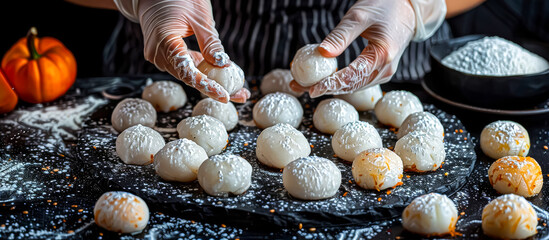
{"x": 388, "y": 25}
{"x": 164, "y": 24}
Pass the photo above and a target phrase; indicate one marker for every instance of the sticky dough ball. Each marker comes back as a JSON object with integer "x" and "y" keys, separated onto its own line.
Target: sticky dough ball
{"x": 377, "y": 168}
{"x": 231, "y": 77}
{"x": 420, "y": 152}
{"x": 365, "y": 99}
{"x": 280, "y": 144}
{"x": 509, "y": 217}
{"x": 518, "y": 175}
{"x": 137, "y": 145}
{"x": 311, "y": 178}
{"x": 353, "y": 138}
{"x": 206, "y": 131}
{"x": 179, "y": 160}
{"x": 132, "y": 111}
{"x": 309, "y": 67}
{"x": 121, "y": 212}
{"x": 504, "y": 138}
{"x": 424, "y": 122}
{"x": 276, "y": 108}
{"x": 396, "y": 106}
{"x": 224, "y": 112}
{"x": 331, "y": 114}
{"x": 430, "y": 214}
{"x": 278, "y": 80}
{"x": 165, "y": 96}
{"x": 221, "y": 175}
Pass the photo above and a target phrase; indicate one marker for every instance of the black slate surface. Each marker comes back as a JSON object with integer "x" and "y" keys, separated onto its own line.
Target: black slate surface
{"x": 38, "y": 202}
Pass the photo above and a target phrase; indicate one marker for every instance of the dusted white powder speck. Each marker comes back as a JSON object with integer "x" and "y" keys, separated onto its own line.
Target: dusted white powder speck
{"x": 494, "y": 56}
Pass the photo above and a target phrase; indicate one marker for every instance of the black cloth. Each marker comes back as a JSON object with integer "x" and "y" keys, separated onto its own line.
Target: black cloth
{"x": 261, "y": 35}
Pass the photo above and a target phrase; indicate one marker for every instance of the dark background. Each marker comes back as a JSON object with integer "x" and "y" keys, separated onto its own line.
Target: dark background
{"x": 83, "y": 30}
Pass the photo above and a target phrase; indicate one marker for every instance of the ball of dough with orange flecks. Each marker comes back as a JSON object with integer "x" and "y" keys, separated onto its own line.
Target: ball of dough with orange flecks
{"x": 504, "y": 138}
{"x": 509, "y": 217}
{"x": 518, "y": 175}
{"x": 121, "y": 212}
{"x": 431, "y": 215}
{"x": 377, "y": 168}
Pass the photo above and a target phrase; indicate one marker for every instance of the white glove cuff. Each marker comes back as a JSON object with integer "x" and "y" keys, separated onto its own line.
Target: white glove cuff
{"x": 128, "y": 8}
{"x": 429, "y": 16}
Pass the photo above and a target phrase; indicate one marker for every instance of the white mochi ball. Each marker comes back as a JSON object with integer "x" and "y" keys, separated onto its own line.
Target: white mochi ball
{"x": 309, "y": 67}
{"x": 518, "y": 175}
{"x": 353, "y": 138}
{"x": 179, "y": 160}
{"x": 231, "y": 77}
{"x": 276, "y": 108}
{"x": 504, "y": 138}
{"x": 137, "y": 145}
{"x": 311, "y": 178}
{"x": 165, "y": 96}
{"x": 421, "y": 122}
{"x": 377, "y": 168}
{"x": 224, "y": 112}
{"x": 331, "y": 114}
{"x": 278, "y": 80}
{"x": 132, "y": 111}
{"x": 280, "y": 144}
{"x": 396, "y": 106}
{"x": 365, "y": 99}
{"x": 420, "y": 152}
{"x": 221, "y": 175}
{"x": 121, "y": 212}
{"x": 430, "y": 214}
{"x": 206, "y": 131}
{"x": 509, "y": 217}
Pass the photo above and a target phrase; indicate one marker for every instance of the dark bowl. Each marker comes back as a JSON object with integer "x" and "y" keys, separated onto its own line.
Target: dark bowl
{"x": 508, "y": 92}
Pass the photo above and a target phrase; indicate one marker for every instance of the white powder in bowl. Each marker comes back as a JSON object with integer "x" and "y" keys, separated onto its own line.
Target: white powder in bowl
{"x": 494, "y": 56}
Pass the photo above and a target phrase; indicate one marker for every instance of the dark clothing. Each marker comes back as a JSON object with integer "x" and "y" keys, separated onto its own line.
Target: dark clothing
{"x": 261, "y": 35}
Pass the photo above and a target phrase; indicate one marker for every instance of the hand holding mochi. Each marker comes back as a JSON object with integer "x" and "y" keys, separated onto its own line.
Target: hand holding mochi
{"x": 224, "y": 112}
{"x": 353, "y": 138}
{"x": 504, "y": 138}
{"x": 377, "y": 168}
{"x": 280, "y": 144}
{"x": 331, "y": 114}
{"x": 231, "y": 77}
{"x": 276, "y": 108}
{"x": 165, "y": 96}
{"x": 396, "y": 106}
{"x": 518, "y": 175}
{"x": 137, "y": 145}
{"x": 364, "y": 99}
{"x": 132, "y": 111}
{"x": 121, "y": 212}
{"x": 179, "y": 160}
{"x": 311, "y": 178}
{"x": 309, "y": 66}
{"x": 206, "y": 131}
{"x": 221, "y": 175}
{"x": 278, "y": 80}
{"x": 509, "y": 217}
{"x": 420, "y": 152}
{"x": 430, "y": 214}
{"x": 424, "y": 122}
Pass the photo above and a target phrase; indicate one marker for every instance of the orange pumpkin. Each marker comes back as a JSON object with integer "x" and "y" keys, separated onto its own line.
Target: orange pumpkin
{"x": 8, "y": 98}
{"x": 40, "y": 70}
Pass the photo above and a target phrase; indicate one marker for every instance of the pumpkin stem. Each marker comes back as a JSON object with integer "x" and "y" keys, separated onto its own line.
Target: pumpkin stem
{"x": 31, "y": 36}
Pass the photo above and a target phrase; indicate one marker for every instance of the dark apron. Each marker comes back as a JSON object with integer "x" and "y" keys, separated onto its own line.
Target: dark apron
{"x": 261, "y": 35}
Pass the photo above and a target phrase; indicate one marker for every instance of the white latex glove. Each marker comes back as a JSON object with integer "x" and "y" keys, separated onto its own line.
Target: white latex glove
{"x": 389, "y": 26}
{"x": 164, "y": 24}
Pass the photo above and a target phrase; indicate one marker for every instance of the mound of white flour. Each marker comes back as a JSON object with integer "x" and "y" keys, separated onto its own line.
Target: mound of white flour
{"x": 494, "y": 56}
